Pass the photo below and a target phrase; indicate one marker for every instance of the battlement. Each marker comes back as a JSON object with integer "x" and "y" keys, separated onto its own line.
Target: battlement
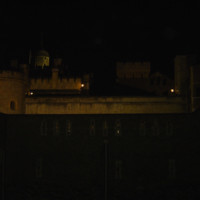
{"x": 56, "y": 83}
{"x": 133, "y": 69}
{"x": 4, "y": 74}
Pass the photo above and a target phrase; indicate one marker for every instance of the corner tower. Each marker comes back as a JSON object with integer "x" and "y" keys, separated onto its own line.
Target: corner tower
{"x": 12, "y": 92}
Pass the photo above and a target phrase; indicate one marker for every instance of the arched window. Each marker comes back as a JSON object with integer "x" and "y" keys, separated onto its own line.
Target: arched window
{"x": 12, "y": 105}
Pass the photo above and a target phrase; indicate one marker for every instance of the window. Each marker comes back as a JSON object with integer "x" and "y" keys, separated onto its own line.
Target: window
{"x": 68, "y": 128}
{"x": 118, "y": 169}
{"x": 56, "y": 127}
{"x": 105, "y": 128}
{"x": 38, "y": 167}
{"x": 155, "y": 128}
{"x": 43, "y": 128}
{"x": 169, "y": 128}
{"x": 92, "y": 127}
{"x": 172, "y": 168}
{"x": 142, "y": 128}
{"x": 12, "y": 105}
{"x": 118, "y": 128}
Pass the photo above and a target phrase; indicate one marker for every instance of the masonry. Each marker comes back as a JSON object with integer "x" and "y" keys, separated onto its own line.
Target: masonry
{"x": 105, "y": 105}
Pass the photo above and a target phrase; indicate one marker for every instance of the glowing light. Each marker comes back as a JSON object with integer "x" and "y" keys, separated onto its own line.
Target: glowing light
{"x": 29, "y": 93}
{"x": 172, "y": 90}
{"x": 82, "y": 85}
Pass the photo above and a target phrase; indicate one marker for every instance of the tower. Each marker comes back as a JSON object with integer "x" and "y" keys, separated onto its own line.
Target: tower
{"x": 182, "y": 64}
{"x": 12, "y": 90}
{"x": 42, "y": 58}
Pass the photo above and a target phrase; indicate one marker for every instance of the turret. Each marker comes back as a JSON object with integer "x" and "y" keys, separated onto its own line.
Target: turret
{"x": 12, "y": 92}
{"x": 42, "y": 59}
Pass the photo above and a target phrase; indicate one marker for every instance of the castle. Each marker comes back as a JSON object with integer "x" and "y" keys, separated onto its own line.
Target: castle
{"x": 70, "y": 144}
{"x": 42, "y": 87}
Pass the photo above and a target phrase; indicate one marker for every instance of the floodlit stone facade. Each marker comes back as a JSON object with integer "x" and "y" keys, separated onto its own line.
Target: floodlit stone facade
{"x": 50, "y": 92}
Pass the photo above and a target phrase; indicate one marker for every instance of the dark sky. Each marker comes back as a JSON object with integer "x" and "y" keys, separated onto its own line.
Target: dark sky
{"x": 95, "y": 35}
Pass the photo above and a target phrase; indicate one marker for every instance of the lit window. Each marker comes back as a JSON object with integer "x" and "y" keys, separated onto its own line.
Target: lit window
{"x": 43, "y": 128}
{"x": 68, "y": 128}
{"x": 12, "y": 105}
{"x": 118, "y": 128}
{"x": 92, "y": 127}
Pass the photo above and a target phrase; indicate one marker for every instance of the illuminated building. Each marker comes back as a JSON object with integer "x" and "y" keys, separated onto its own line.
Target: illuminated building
{"x": 67, "y": 143}
{"x": 42, "y": 87}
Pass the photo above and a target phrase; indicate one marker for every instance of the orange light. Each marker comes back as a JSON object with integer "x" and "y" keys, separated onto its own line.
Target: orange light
{"x": 172, "y": 90}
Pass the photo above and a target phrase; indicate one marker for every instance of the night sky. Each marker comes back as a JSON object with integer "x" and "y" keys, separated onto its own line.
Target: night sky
{"x": 93, "y": 36}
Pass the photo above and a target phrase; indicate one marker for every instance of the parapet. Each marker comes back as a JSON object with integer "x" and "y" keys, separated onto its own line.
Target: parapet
{"x": 11, "y": 75}
{"x": 58, "y": 84}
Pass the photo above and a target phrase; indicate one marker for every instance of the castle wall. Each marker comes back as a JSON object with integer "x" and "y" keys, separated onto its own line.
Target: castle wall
{"x": 12, "y": 90}
{"x": 104, "y": 105}
{"x": 56, "y": 83}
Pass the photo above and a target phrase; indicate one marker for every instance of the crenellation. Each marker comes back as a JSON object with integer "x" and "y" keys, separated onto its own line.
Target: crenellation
{"x": 21, "y": 93}
{"x": 64, "y": 83}
{"x": 5, "y": 74}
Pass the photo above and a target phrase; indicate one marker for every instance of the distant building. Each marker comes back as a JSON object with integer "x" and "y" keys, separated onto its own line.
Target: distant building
{"x": 57, "y": 141}
{"x": 138, "y": 75}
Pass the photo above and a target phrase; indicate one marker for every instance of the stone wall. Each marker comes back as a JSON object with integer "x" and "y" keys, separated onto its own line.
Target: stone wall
{"x": 104, "y": 105}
